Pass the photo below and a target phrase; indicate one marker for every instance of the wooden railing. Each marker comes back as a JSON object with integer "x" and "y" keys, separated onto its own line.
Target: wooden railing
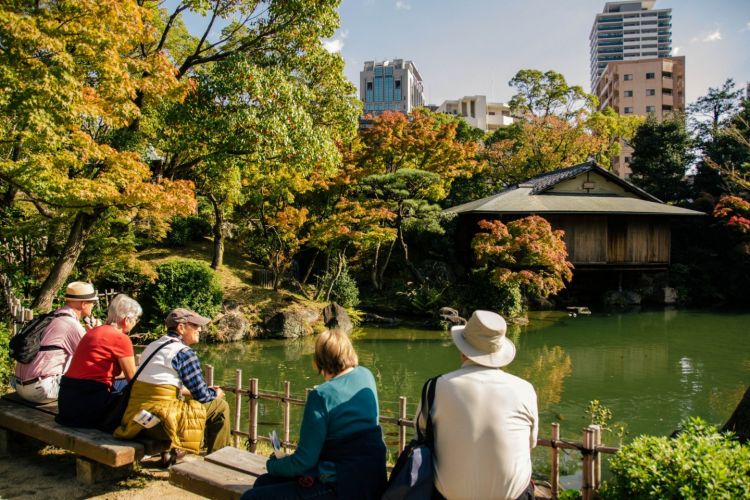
{"x": 18, "y": 315}
{"x": 590, "y": 447}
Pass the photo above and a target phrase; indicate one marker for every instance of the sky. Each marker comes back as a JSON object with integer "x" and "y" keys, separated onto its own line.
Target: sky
{"x": 474, "y": 47}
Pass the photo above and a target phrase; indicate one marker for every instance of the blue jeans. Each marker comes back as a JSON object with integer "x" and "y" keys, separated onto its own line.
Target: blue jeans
{"x": 272, "y": 487}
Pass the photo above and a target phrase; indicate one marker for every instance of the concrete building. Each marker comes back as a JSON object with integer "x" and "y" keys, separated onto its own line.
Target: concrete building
{"x": 390, "y": 85}
{"x": 627, "y": 31}
{"x": 646, "y": 87}
{"x": 478, "y": 112}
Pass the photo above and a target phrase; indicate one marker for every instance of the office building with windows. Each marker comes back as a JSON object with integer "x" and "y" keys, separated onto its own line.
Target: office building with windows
{"x": 390, "y": 86}
{"x": 477, "y": 112}
{"x": 627, "y": 31}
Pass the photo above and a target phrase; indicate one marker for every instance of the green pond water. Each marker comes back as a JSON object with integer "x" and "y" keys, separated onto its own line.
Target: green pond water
{"x": 651, "y": 369}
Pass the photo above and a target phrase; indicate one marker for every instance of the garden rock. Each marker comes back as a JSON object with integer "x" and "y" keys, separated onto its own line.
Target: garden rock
{"x": 232, "y": 327}
{"x": 295, "y": 321}
{"x": 335, "y": 316}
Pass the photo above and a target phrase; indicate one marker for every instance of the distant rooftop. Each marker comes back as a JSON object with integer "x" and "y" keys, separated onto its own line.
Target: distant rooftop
{"x": 629, "y": 6}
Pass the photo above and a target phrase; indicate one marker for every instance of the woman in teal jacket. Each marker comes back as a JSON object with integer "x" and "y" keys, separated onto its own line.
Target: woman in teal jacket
{"x": 340, "y": 453}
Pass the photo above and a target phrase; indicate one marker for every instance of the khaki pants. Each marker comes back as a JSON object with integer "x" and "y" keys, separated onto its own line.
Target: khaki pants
{"x": 216, "y": 435}
{"x": 42, "y": 391}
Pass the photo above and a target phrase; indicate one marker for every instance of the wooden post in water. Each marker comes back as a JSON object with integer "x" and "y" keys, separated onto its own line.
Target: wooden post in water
{"x": 555, "y": 459}
{"x": 237, "y": 406}
{"x": 210, "y": 375}
{"x": 287, "y": 412}
{"x": 401, "y": 426}
{"x": 253, "y": 415}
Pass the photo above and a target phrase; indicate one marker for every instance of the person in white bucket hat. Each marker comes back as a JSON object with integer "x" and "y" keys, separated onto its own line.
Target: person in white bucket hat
{"x": 39, "y": 380}
{"x": 485, "y": 420}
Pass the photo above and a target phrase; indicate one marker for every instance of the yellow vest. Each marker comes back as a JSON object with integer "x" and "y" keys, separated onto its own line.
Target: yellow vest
{"x": 183, "y": 421}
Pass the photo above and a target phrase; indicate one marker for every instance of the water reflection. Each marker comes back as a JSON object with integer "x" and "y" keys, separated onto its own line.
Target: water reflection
{"x": 547, "y": 373}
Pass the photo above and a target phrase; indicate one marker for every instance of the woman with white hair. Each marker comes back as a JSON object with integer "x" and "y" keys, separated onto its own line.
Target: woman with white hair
{"x": 103, "y": 354}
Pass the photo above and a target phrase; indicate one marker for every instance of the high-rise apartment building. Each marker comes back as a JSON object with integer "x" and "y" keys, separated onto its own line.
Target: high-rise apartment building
{"x": 645, "y": 87}
{"x": 477, "y": 112}
{"x": 626, "y": 31}
{"x": 390, "y": 85}
{"x": 632, "y": 68}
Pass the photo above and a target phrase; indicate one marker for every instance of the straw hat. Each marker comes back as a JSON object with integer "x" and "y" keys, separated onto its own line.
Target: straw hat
{"x": 80, "y": 290}
{"x": 482, "y": 339}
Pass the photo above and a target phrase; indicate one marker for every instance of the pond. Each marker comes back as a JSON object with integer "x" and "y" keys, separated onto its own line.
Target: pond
{"x": 651, "y": 369}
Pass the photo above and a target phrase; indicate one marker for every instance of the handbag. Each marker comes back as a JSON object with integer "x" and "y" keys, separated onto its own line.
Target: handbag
{"x": 114, "y": 411}
{"x": 412, "y": 478}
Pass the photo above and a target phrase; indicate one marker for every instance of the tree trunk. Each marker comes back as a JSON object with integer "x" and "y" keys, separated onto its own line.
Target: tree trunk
{"x": 310, "y": 267}
{"x": 374, "y": 269}
{"x": 79, "y": 232}
{"x": 381, "y": 271}
{"x": 739, "y": 422}
{"x": 218, "y": 230}
{"x": 414, "y": 271}
{"x": 340, "y": 266}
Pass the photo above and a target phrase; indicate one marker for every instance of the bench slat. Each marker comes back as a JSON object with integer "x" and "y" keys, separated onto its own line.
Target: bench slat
{"x": 239, "y": 460}
{"x": 210, "y": 480}
{"x": 89, "y": 443}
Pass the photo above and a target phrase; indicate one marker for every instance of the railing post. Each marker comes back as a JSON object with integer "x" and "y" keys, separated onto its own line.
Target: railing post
{"x": 401, "y": 426}
{"x": 555, "y": 459}
{"x": 210, "y": 375}
{"x": 237, "y": 405}
{"x": 287, "y": 412}
{"x": 597, "y": 441}
{"x": 28, "y": 314}
{"x": 253, "y": 415}
{"x": 587, "y": 486}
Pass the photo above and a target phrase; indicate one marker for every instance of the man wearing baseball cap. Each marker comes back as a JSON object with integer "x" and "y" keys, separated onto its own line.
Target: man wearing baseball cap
{"x": 171, "y": 387}
{"x": 485, "y": 420}
{"x": 39, "y": 380}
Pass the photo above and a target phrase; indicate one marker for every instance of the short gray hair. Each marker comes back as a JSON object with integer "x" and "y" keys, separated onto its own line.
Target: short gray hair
{"x": 123, "y": 307}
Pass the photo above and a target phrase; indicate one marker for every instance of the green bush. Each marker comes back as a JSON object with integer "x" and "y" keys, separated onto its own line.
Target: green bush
{"x": 345, "y": 290}
{"x": 698, "y": 463}
{"x": 6, "y": 364}
{"x": 131, "y": 277}
{"x": 184, "y": 283}
{"x": 504, "y": 298}
{"x": 186, "y": 229}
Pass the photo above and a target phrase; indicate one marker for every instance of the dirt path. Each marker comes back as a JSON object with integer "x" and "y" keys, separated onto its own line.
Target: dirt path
{"x": 49, "y": 473}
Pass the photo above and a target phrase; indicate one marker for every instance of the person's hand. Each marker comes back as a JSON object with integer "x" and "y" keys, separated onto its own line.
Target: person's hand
{"x": 219, "y": 392}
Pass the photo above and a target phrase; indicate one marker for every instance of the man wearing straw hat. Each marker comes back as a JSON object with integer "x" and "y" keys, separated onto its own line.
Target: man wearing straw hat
{"x": 39, "y": 380}
{"x": 485, "y": 420}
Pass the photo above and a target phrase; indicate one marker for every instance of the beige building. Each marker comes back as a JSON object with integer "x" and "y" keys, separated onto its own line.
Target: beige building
{"x": 478, "y": 112}
{"x": 642, "y": 87}
{"x": 390, "y": 86}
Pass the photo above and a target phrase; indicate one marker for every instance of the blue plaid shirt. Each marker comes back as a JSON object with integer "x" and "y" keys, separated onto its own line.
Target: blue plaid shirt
{"x": 189, "y": 370}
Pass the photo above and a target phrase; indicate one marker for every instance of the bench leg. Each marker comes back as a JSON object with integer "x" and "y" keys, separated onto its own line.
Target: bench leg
{"x": 90, "y": 472}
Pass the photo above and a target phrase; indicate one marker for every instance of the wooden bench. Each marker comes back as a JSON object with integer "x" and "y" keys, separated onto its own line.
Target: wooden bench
{"x": 99, "y": 455}
{"x": 223, "y": 475}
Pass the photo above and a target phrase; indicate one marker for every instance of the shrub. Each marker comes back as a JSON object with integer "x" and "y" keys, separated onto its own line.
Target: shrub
{"x": 6, "y": 365}
{"x": 131, "y": 277}
{"x": 184, "y": 283}
{"x": 485, "y": 293}
{"x": 698, "y": 463}
{"x": 186, "y": 229}
{"x": 345, "y": 290}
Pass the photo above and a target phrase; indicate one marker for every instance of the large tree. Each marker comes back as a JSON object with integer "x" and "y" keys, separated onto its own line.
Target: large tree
{"x": 662, "y": 153}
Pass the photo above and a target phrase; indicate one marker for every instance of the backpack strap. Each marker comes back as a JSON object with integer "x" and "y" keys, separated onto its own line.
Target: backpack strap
{"x": 428, "y": 399}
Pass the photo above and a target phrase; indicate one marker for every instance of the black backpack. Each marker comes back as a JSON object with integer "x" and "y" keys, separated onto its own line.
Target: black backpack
{"x": 26, "y": 344}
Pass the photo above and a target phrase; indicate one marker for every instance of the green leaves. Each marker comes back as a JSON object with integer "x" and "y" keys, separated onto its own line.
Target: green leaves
{"x": 698, "y": 463}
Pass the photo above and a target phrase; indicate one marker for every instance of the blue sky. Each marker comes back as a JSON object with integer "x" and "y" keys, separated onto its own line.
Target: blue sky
{"x": 471, "y": 47}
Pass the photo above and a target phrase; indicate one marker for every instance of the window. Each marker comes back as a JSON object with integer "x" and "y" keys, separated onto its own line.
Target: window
{"x": 666, "y": 91}
{"x": 389, "y": 86}
{"x": 473, "y": 110}
{"x": 378, "y": 88}
{"x": 368, "y": 97}
{"x": 650, "y": 109}
{"x": 628, "y": 110}
{"x": 666, "y": 74}
{"x": 650, "y": 92}
{"x": 627, "y": 160}
{"x": 628, "y": 77}
{"x": 491, "y": 113}
{"x": 650, "y": 76}
{"x": 628, "y": 93}
{"x": 666, "y": 108}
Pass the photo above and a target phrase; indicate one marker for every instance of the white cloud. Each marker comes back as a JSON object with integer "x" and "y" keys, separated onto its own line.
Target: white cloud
{"x": 401, "y": 5}
{"x": 676, "y": 51}
{"x": 334, "y": 45}
{"x": 714, "y": 36}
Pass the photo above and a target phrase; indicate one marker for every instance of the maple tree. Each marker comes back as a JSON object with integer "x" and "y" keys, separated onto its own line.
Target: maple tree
{"x": 525, "y": 252}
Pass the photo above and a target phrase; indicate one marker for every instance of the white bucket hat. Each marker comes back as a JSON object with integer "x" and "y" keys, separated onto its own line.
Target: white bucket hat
{"x": 482, "y": 339}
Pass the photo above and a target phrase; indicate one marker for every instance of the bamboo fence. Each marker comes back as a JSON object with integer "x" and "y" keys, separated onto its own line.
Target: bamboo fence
{"x": 590, "y": 447}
